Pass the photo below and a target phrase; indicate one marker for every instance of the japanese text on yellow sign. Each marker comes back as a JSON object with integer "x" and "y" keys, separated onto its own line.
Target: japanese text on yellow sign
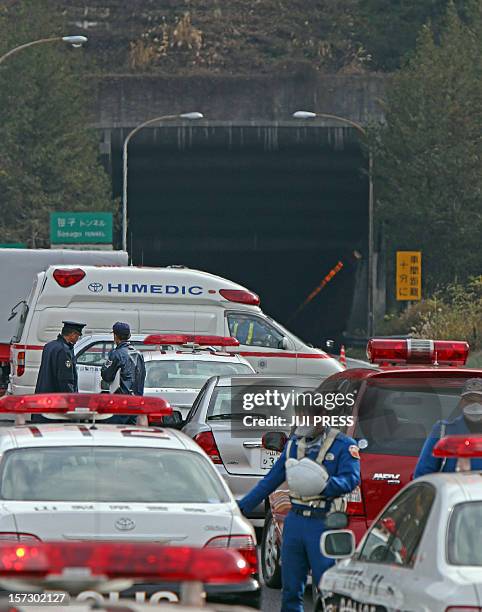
{"x": 409, "y": 275}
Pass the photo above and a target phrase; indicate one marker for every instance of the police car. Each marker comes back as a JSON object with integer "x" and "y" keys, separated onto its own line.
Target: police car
{"x": 422, "y": 553}
{"x": 177, "y": 365}
{"x": 71, "y": 574}
{"x": 89, "y": 482}
{"x": 414, "y": 384}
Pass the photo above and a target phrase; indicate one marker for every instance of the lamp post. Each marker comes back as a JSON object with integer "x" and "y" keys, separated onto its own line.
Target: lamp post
{"x": 75, "y": 41}
{"x": 370, "y": 274}
{"x": 130, "y": 135}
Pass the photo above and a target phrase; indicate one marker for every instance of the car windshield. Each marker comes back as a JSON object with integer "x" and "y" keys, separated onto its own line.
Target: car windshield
{"x": 109, "y": 474}
{"x": 189, "y": 374}
{"x": 464, "y": 526}
{"x": 235, "y": 402}
{"x": 396, "y": 415}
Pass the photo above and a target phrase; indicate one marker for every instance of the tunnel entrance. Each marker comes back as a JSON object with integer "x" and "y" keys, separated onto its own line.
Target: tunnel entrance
{"x": 272, "y": 207}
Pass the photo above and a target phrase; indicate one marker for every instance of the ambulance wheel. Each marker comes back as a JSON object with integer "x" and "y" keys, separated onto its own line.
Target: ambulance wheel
{"x": 270, "y": 554}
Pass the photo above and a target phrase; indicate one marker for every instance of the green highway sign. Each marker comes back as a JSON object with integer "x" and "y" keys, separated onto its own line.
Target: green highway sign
{"x": 13, "y": 245}
{"x": 80, "y": 228}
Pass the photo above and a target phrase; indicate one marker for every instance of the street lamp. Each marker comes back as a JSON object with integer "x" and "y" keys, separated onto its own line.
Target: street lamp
{"x": 310, "y": 115}
{"x": 188, "y": 116}
{"x": 75, "y": 41}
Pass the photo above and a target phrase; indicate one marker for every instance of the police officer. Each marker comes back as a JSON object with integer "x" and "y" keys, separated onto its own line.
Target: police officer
{"x": 58, "y": 368}
{"x": 128, "y": 360}
{"x": 470, "y": 421}
{"x": 320, "y": 465}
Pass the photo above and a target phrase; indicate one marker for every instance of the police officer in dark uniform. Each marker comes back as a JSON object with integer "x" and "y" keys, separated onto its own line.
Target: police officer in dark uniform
{"x": 58, "y": 368}
{"x": 128, "y": 360}
{"x": 469, "y": 422}
{"x": 320, "y": 465}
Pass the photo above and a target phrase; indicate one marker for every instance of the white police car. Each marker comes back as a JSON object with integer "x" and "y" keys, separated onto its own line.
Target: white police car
{"x": 422, "y": 553}
{"x": 90, "y": 482}
{"x": 176, "y": 370}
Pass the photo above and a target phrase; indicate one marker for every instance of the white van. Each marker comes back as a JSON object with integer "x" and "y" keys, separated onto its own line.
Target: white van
{"x": 173, "y": 299}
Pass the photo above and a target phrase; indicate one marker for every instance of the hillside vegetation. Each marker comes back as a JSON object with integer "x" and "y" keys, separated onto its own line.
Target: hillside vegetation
{"x": 250, "y": 36}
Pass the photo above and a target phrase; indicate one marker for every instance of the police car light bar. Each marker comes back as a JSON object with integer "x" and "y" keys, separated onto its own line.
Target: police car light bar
{"x": 182, "y": 339}
{"x": 84, "y": 405}
{"x": 417, "y": 351}
{"x": 54, "y": 562}
{"x": 458, "y": 446}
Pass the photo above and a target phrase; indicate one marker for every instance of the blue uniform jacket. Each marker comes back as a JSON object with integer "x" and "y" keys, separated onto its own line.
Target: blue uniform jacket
{"x": 58, "y": 371}
{"x": 130, "y": 362}
{"x": 343, "y": 469}
{"x": 427, "y": 463}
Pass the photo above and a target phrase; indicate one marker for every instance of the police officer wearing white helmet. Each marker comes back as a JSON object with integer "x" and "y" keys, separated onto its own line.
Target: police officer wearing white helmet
{"x": 320, "y": 465}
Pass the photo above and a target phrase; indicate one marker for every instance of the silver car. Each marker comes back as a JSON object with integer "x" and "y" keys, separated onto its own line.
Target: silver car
{"x": 216, "y": 423}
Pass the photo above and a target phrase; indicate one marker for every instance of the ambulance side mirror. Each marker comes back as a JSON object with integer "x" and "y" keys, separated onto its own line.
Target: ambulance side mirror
{"x": 339, "y": 544}
{"x": 284, "y": 344}
{"x": 274, "y": 441}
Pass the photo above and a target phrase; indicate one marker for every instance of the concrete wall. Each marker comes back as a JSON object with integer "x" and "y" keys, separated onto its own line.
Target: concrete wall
{"x": 125, "y": 101}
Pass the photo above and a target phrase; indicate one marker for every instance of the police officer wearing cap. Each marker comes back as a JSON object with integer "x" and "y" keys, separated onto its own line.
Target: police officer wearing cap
{"x": 320, "y": 464}
{"x": 58, "y": 368}
{"x": 128, "y": 360}
{"x": 469, "y": 422}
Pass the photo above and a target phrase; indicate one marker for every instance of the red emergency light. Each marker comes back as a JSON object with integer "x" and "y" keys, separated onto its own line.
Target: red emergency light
{"x": 68, "y": 278}
{"x": 417, "y": 351}
{"x": 110, "y": 560}
{"x": 458, "y": 446}
{"x": 84, "y": 405}
{"x": 240, "y": 296}
{"x": 181, "y": 339}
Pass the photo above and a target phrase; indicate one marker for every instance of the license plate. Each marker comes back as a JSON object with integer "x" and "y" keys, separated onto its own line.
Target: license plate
{"x": 268, "y": 458}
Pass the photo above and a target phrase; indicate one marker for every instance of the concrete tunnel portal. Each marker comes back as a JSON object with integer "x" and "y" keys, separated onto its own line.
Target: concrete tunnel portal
{"x": 274, "y": 207}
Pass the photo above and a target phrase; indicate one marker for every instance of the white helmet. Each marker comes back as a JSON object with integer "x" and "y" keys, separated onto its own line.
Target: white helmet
{"x": 305, "y": 477}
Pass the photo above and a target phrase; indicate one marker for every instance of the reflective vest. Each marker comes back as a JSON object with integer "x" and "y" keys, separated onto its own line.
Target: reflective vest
{"x": 249, "y": 337}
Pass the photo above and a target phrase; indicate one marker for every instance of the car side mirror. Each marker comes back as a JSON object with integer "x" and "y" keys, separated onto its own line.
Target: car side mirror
{"x": 274, "y": 441}
{"x": 339, "y": 544}
{"x": 329, "y": 345}
{"x": 284, "y": 344}
{"x": 174, "y": 420}
{"x": 336, "y": 520}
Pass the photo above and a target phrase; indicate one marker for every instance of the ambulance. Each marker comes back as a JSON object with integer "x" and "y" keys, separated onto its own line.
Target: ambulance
{"x": 171, "y": 300}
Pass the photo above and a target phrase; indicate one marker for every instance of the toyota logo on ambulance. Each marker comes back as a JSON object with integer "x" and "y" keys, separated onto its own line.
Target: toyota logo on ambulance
{"x": 95, "y": 287}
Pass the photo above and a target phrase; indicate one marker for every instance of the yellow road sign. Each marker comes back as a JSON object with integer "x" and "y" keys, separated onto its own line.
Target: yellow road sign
{"x": 409, "y": 275}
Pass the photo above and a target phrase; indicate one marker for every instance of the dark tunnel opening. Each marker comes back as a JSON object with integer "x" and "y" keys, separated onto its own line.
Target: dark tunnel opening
{"x": 274, "y": 209}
